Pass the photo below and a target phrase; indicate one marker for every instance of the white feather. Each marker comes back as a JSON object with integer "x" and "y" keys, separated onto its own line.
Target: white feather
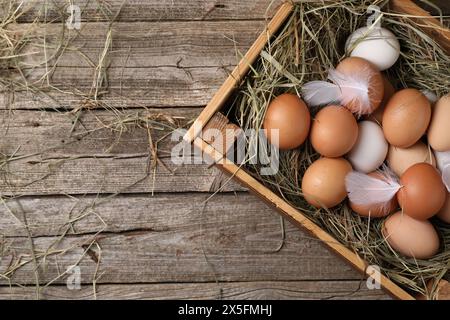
{"x": 317, "y": 93}
{"x": 365, "y": 190}
{"x": 443, "y": 163}
{"x": 446, "y": 177}
{"x": 354, "y": 88}
{"x": 345, "y": 89}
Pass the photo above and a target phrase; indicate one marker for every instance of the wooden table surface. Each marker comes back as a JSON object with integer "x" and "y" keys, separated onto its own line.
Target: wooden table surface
{"x": 83, "y": 194}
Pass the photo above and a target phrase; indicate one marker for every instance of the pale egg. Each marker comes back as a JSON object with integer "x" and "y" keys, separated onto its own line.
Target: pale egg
{"x": 410, "y": 237}
{"x": 400, "y": 159}
{"x": 370, "y": 148}
{"x": 377, "y": 45}
{"x": 439, "y": 130}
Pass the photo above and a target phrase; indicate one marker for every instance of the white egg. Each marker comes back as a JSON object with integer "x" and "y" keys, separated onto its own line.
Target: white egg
{"x": 377, "y": 45}
{"x": 370, "y": 150}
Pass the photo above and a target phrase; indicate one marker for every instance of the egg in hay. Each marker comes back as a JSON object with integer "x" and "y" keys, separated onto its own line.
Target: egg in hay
{"x": 377, "y": 45}
{"x": 406, "y": 118}
{"x": 287, "y": 122}
{"x": 370, "y": 149}
{"x": 410, "y": 237}
{"x": 423, "y": 193}
{"x": 323, "y": 184}
{"x": 400, "y": 159}
{"x": 334, "y": 131}
{"x": 439, "y": 130}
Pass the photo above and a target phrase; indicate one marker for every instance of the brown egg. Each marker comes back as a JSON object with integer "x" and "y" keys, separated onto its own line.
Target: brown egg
{"x": 423, "y": 193}
{"x": 406, "y": 118}
{"x": 376, "y": 210}
{"x": 334, "y": 131}
{"x": 444, "y": 214}
{"x": 389, "y": 91}
{"x": 400, "y": 159}
{"x": 439, "y": 130}
{"x": 290, "y": 115}
{"x": 410, "y": 237}
{"x": 323, "y": 184}
{"x": 355, "y": 65}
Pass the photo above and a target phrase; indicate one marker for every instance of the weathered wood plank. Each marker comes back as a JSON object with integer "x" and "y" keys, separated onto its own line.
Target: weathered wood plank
{"x": 167, "y": 85}
{"x": 93, "y": 174}
{"x": 48, "y": 216}
{"x": 101, "y": 132}
{"x": 152, "y": 10}
{"x": 103, "y": 161}
{"x": 144, "y": 44}
{"x": 128, "y": 87}
{"x": 265, "y": 290}
{"x": 121, "y": 98}
{"x": 153, "y": 64}
{"x": 194, "y": 253}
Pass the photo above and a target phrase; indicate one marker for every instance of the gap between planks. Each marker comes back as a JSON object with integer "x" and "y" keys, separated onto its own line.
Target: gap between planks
{"x": 212, "y": 290}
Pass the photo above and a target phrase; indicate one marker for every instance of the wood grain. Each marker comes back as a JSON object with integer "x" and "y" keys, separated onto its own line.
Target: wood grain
{"x": 277, "y": 290}
{"x": 162, "y": 10}
{"x": 228, "y": 251}
{"x": 161, "y": 212}
{"x": 95, "y": 160}
{"x": 185, "y": 44}
{"x": 96, "y": 132}
{"x": 166, "y": 86}
{"x": 153, "y": 10}
{"x": 149, "y": 64}
{"x": 93, "y": 174}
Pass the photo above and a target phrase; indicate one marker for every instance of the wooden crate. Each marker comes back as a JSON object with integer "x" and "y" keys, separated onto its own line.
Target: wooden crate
{"x": 216, "y": 149}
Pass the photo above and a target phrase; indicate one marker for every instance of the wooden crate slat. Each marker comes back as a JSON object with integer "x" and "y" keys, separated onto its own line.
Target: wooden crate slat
{"x": 430, "y": 25}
